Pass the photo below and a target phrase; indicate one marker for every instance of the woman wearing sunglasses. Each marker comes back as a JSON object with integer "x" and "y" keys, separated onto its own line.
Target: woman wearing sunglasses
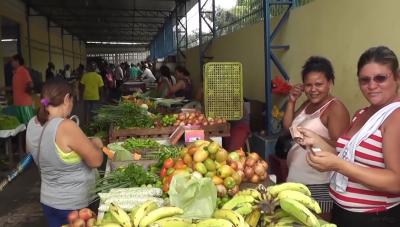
{"x": 322, "y": 113}
{"x": 365, "y": 182}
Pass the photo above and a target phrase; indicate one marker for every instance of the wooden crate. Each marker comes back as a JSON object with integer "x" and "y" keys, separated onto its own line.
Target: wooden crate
{"x": 219, "y": 130}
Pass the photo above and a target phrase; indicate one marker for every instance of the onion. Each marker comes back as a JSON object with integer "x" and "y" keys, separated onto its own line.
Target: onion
{"x": 210, "y": 119}
{"x": 221, "y": 190}
{"x": 250, "y": 162}
{"x": 204, "y": 123}
{"x": 211, "y": 123}
{"x": 259, "y": 169}
{"x": 181, "y": 116}
{"x": 201, "y": 117}
{"x": 234, "y": 165}
{"x": 223, "y": 120}
{"x": 196, "y": 122}
{"x": 182, "y": 123}
{"x": 248, "y": 172}
{"x": 191, "y": 116}
{"x": 219, "y": 121}
{"x": 254, "y": 156}
{"x": 264, "y": 164}
{"x": 241, "y": 173}
{"x": 197, "y": 114}
{"x": 239, "y": 165}
{"x": 263, "y": 177}
{"x": 255, "y": 179}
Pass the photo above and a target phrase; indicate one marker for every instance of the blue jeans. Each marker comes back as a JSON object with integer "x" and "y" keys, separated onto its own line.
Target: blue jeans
{"x": 55, "y": 217}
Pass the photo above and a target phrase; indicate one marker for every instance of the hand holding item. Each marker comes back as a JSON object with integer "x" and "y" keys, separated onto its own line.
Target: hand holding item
{"x": 296, "y": 92}
{"x": 314, "y": 142}
{"x": 323, "y": 161}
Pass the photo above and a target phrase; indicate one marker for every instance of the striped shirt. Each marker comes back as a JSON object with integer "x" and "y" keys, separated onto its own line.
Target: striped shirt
{"x": 359, "y": 198}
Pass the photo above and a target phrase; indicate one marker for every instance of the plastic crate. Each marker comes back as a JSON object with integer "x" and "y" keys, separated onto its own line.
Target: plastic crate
{"x": 223, "y": 90}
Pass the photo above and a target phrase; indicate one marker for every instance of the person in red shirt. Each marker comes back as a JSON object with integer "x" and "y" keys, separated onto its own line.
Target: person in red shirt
{"x": 22, "y": 88}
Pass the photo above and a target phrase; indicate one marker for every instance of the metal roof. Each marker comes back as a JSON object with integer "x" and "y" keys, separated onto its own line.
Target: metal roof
{"x": 107, "y": 20}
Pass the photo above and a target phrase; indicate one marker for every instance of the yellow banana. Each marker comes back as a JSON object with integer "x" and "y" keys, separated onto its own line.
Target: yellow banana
{"x": 120, "y": 215}
{"x": 253, "y": 218}
{"x": 250, "y": 191}
{"x": 159, "y": 213}
{"x": 276, "y": 189}
{"x": 215, "y": 222}
{"x": 230, "y": 215}
{"x": 133, "y": 212}
{"x": 244, "y": 209}
{"x": 299, "y": 211}
{"x": 236, "y": 200}
{"x": 307, "y": 201}
{"x": 142, "y": 211}
{"x": 110, "y": 225}
{"x": 324, "y": 223}
{"x": 171, "y": 222}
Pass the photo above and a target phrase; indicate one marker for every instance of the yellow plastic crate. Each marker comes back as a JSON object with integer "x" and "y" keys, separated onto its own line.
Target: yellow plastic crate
{"x": 223, "y": 90}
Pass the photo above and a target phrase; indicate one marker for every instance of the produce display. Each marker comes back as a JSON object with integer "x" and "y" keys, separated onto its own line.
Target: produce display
{"x": 209, "y": 159}
{"x": 287, "y": 204}
{"x": 8, "y": 122}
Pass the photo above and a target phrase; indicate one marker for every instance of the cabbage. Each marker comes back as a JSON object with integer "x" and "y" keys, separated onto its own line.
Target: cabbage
{"x": 122, "y": 155}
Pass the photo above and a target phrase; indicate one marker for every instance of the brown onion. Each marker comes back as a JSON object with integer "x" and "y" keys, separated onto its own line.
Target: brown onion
{"x": 263, "y": 177}
{"x": 255, "y": 179}
{"x": 254, "y": 156}
{"x": 259, "y": 169}
{"x": 250, "y": 162}
{"x": 249, "y": 172}
{"x": 239, "y": 165}
{"x": 234, "y": 165}
{"x": 241, "y": 173}
{"x": 264, "y": 164}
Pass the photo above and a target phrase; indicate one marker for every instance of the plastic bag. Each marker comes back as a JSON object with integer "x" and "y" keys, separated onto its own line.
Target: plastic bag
{"x": 196, "y": 196}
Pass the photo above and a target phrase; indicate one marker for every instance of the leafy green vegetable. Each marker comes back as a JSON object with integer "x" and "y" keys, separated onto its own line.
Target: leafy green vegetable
{"x": 166, "y": 152}
{"x": 8, "y": 122}
{"x": 123, "y": 115}
{"x": 131, "y": 176}
{"x": 137, "y": 144}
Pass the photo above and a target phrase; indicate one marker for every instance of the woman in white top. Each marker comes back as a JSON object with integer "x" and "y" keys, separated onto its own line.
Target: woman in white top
{"x": 322, "y": 113}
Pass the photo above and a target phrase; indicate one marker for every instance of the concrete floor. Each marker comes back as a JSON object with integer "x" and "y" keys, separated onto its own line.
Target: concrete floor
{"x": 19, "y": 202}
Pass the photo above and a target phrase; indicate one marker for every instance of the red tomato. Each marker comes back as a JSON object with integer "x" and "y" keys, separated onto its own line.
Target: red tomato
{"x": 168, "y": 163}
{"x": 165, "y": 187}
{"x": 180, "y": 164}
{"x": 163, "y": 172}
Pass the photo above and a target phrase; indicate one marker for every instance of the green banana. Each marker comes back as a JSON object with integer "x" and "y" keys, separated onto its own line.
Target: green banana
{"x": 159, "y": 213}
{"x": 236, "y": 200}
{"x": 324, "y": 223}
{"x": 288, "y": 221}
{"x": 244, "y": 209}
{"x": 230, "y": 215}
{"x": 142, "y": 211}
{"x": 215, "y": 222}
{"x": 253, "y": 218}
{"x": 307, "y": 201}
{"x": 250, "y": 191}
{"x": 120, "y": 215}
{"x": 110, "y": 225}
{"x": 276, "y": 189}
{"x": 279, "y": 213}
{"x": 171, "y": 222}
{"x": 299, "y": 211}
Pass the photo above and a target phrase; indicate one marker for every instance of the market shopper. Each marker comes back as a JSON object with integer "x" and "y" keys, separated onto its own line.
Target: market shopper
{"x": 322, "y": 113}
{"x": 64, "y": 155}
{"x": 50, "y": 71}
{"x": 183, "y": 86}
{"x": 134, "y": 72}
{"x": 365, "y": 183}
{"x": 22, "y": 85}
{"x": 91, "y": 86}
{"x": 165, "y": 81}
{"x": 147, "y": 75}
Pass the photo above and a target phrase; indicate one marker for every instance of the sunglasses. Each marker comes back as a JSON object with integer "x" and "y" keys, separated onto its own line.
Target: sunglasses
{"x": 379, "y": 79}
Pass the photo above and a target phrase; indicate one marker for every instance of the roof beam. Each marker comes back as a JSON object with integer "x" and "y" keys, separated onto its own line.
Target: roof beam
{"x": 97, "y": 8}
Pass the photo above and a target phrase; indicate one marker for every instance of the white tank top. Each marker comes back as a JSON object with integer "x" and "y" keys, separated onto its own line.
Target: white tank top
{"x": 299, "y": 170}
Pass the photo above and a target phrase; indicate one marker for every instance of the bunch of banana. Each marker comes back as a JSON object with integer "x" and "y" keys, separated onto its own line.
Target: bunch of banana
{"x": 289, "y": 204}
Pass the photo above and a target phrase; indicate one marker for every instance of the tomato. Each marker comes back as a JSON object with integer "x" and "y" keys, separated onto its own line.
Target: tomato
{"x": 163, "y": 172}
{"x": 165, "y": 187}
{"x": 168, "y": 163}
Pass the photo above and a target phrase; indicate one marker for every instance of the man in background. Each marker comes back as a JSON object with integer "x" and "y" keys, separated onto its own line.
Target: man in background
{"x": 22, "y": 85}
{"x": 91, "y": 86}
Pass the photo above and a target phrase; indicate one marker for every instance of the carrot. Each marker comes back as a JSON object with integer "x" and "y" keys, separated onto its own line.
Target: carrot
{"x": 108, "y": 152}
